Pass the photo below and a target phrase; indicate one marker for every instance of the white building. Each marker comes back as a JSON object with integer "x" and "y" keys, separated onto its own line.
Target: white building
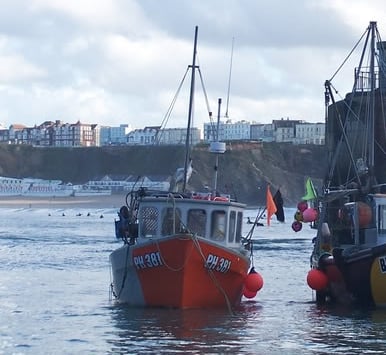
{"x": 227, "y": 131}
{"x": 143, "y": 136}
{"x": 75, "y": 135}
{"x": 177, "y": 136}
{"x": 284, "y": 130}
{"x": 262, "y": 132}
{"x": 114, "y": 135}
{"x": 119, "y": 183}
{"x": 310, "y": 133}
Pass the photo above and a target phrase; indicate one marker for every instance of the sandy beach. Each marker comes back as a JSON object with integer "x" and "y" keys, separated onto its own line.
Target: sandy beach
{"x": 113, "y": 201}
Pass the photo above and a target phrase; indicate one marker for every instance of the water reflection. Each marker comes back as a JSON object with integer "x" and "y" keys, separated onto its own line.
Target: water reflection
{"x": 254, "y": 328}
{"x": 177, "y": 331}
{"x": 342, "y": 330}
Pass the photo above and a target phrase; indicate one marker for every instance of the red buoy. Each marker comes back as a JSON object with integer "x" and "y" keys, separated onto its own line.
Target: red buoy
{"x": 302, "y": 206}
{"x": 248, "y": 294}
{"x": 317, "y": 279}
{"x": 297, "y": 226}
{"x": 253, "y": 282}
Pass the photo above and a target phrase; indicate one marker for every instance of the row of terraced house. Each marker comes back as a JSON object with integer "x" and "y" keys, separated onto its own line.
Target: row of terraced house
{"x": 59, "y": 134}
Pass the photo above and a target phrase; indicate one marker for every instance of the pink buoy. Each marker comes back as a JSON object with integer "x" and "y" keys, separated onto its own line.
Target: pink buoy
{"x": 310, "y": 215}
{"x": 253, "y": 282}
{"x": 317, "y": 279}
{"x": 297, "y": 226}
{"x": 302, "y": 206}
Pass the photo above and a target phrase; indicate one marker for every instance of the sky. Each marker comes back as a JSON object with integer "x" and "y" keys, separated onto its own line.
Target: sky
{"x": 116, "y": 62}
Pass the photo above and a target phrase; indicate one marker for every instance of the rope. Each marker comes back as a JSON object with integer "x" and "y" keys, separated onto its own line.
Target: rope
{"x": 167, "y": 265}
{"x": 170, "y": 109}
{"x": 212, "y": 276}
{"x": 196, "y": 244}
{"x": 259, "y": 215}
{"x": 111, "y": 288}
{"x": 348, "y": 56}
{"x": 117, "y": 296}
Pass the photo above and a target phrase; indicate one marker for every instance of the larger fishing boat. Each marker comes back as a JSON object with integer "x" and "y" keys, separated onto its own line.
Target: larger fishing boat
{"x": 348, "y": 262}
{"x": 183, "y": 249}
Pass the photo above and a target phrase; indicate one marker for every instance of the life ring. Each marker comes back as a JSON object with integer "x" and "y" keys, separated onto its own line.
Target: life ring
{"x": 201, "y": 197}
{"x": 220, "y": 198}
{"x": 210, "y": 197}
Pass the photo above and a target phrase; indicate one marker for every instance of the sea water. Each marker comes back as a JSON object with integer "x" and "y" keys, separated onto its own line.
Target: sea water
{"x": 55, "y": 298}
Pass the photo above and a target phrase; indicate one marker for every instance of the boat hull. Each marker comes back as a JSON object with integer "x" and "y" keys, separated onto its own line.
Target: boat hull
{"x": 358, "y": 278}
{"x": 180, "y": 271}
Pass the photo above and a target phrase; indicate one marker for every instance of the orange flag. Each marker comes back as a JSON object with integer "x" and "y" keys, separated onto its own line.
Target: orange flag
{"x": 271, "y": 207}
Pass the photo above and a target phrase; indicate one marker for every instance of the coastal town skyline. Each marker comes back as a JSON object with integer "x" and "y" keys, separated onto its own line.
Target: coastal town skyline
{"x": 62, "y": 134}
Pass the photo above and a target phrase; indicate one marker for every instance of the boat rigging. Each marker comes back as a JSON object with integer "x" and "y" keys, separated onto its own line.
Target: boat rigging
{"x": 349, "y": 254}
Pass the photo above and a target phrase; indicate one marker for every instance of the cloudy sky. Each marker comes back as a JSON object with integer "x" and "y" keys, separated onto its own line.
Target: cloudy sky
{"x": 121, "y": 61}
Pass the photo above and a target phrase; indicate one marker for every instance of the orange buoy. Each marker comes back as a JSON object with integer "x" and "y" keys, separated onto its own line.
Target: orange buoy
{"x": 364, "y": 214}
{"x": 253, "y": 282}
{"x": 317, "y": 279}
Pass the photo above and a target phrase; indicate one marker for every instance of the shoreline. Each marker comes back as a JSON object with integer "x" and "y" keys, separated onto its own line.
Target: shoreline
{"x": 110, "y": 201}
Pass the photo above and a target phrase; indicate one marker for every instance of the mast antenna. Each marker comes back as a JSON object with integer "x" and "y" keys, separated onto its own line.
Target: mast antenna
{"x": 187, "y": 144}
{"x": 229, "y": 79}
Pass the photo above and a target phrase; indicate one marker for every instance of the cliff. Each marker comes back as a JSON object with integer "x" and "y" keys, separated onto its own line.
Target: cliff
{"x": 244, "y": 170}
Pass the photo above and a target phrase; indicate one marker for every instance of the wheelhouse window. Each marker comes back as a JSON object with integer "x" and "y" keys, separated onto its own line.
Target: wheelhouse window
{"x": 382, "y": 219}
{"x": 239, "y": 226}
{"x": 197, "y": 221}
{"x": 218, "y": 225}
{"x": 149, "y": 217}
{"x": 171, "y": 221}
{"x": 232, "y": 226}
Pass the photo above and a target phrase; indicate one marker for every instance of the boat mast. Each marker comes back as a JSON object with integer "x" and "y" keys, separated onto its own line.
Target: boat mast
{"x": 372, "y": 98}
{"x": 217, "y": 136}
{"x": 190, "y": 113}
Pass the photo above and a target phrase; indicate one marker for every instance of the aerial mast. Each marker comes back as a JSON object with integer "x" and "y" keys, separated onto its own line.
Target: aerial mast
{"x": 372, "y": 96}
{"x": 190, "y": 113}
{"x": 229, "y": 79}
{"x": 217, "y": 147}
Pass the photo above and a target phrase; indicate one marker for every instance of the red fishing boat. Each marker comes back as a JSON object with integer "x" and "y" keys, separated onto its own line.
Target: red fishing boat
{"x": 183, "y": 249}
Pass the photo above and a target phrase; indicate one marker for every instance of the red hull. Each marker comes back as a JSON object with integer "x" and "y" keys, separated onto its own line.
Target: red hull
{"x": 184, "y": 272}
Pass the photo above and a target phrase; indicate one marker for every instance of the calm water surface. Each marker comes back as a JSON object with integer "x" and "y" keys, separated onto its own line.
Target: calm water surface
{"x": 54, "y": 297}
